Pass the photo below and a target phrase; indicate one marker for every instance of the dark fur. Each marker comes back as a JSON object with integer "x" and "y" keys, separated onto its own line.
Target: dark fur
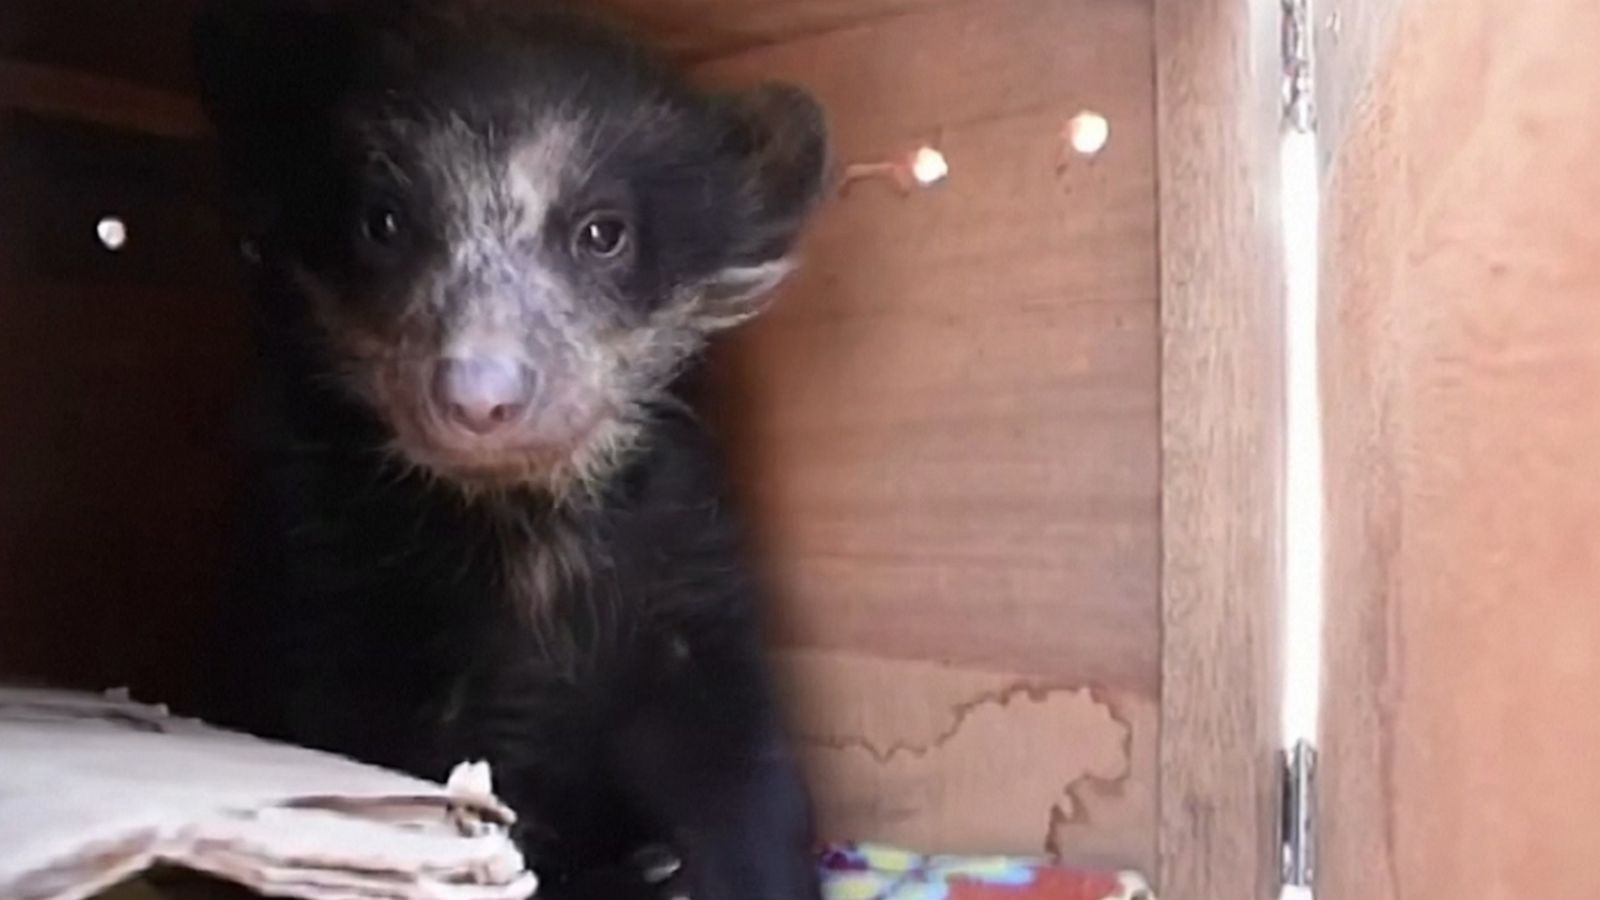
{"x": 583, "y": 620}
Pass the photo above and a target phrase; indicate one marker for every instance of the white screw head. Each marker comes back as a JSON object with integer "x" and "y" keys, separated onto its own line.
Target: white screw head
{"x": 112, "y": 232}
{"x": 929, "y": 167}
{"x": 1088, "y": 133}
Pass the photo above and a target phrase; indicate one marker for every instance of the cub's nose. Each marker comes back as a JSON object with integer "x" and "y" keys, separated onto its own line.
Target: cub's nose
{"x": 483, "y": 394}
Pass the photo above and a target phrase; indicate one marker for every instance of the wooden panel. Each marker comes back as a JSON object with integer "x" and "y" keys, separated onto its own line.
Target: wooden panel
{"x": 139, "y": 41}
{"x": 146, "y": 41}
{"x": 947, "y": 429}
{"x": 62, "y": 178}
{"x": 1463, "y": 366}
{"x": 1222, "y": 396}
{"x": 75, "y": 96}
{"x": 707, "y": 28}
{"x": 117, "y": 377}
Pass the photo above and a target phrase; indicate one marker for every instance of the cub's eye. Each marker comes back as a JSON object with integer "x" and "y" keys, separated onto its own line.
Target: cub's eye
{"x": 602, "y": 236}
{"x": 382, "y": 225}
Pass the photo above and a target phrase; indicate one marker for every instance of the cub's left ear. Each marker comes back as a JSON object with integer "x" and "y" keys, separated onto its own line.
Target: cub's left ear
{"x": 780, "y": 134}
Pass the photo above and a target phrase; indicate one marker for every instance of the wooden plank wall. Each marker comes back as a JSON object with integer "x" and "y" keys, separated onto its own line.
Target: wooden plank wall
{"x": 1222, "y": 299}
{"x": 948, "y": 433}
{"x": 142, "y": 42}
{"x": 706, "y": 29}
{"x": 1463, "y": 369}
{"x": 117, "y": 379}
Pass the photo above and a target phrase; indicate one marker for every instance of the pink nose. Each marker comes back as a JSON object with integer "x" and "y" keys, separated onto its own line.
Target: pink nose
{"x": 483, "y": 394}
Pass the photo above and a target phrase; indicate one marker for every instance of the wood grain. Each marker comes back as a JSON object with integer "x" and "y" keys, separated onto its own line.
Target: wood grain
{"x": 1463, "y": 365}
{"x": 145, "y": 42}
{"x": 947, "y": 428}
{"x": 959, "y": 390}
{"x": 139, "y": 42}
{"x": 78, "y": 97}
{"x": 1221, "y": 398}
{"x": 702, "y": 29}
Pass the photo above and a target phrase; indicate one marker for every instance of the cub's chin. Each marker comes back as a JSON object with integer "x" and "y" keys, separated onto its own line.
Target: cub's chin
{"x": 566, "y": 469}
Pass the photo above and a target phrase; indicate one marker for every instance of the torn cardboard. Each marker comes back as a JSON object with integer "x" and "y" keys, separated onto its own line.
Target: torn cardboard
{"x": 96, "y": 790}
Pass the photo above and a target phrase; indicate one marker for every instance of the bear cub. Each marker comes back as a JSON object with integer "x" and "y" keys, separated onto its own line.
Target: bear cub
{"x": 486, "y": 244}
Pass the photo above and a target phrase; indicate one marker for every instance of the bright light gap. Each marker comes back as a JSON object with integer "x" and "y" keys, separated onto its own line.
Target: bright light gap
{"x": 1303, "y": 470}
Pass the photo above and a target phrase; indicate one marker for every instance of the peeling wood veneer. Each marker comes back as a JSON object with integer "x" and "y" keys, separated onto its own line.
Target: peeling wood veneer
{"x": 955, "y": 760}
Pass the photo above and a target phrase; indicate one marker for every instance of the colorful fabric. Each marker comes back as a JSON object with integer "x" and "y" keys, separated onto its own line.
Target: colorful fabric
{"x": 874, "y": 872}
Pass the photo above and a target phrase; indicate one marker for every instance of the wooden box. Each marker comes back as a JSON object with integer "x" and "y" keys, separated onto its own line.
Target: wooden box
{"x": 1013, "y": 444}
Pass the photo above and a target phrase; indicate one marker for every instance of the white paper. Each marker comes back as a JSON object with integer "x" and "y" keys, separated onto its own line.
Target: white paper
{"x": 94, "y": 790}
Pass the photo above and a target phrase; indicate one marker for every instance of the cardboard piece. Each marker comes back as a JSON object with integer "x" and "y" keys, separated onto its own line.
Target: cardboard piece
{"x": 96, "y": 790}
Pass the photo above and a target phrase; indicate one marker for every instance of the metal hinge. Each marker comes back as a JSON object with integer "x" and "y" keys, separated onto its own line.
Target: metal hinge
{"x": 1299, "y": 834}
{"x": 1299, "y": 41}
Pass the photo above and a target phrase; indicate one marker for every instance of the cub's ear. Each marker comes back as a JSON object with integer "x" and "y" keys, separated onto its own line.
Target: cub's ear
{"x": 267, "y": 70}
{"x": 780, "y": 135}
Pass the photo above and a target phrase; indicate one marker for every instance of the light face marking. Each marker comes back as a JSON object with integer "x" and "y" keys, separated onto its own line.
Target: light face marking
{"x": 536, "y": 172}
{"x": 494, "y": 284}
